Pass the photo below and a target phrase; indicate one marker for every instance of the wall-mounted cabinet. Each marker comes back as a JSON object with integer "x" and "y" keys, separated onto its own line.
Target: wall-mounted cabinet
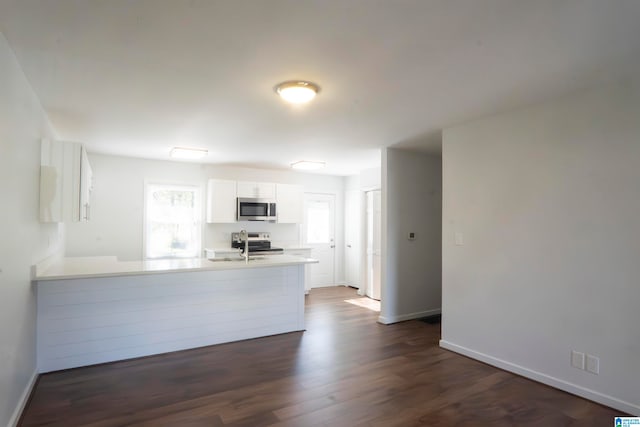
{"x": 262, "y": 190}
{"x": 289, "y": 202}
{"x": 221, "y": 201}
{"x": 85, "y": 186}
{"x": 66, "y": 182}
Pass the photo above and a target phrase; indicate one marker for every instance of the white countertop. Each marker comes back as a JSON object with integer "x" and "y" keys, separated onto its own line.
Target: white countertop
{"x": 230, "y": 249}
{"x": 76, "y": 268}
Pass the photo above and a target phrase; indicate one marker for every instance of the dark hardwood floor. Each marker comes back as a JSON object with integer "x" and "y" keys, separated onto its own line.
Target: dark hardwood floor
{"x": 345, "y": 370}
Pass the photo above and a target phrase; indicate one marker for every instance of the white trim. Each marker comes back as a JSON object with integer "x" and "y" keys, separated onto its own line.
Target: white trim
{"x": 330, "y": 285}
{"x": 17, "y": 413}
{"x": 408, "y": 316}
{"x": 545, "y": 379}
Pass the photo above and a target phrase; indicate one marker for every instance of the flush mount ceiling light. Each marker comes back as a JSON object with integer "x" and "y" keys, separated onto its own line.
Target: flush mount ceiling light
{"x": 306, "y": 165}
{"x": 297, "y": 91}
{"x": 187, "y": 153}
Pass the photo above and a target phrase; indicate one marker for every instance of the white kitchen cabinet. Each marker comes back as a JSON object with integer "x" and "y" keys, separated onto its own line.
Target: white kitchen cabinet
{"x": 85, "y": 186}
{"x": 290, "y": 203}
{"x": 262, "y": 190}
{"x": 66, "y": 182}
{"x": 304, "y": 253}
{"x": 221, "y": 201}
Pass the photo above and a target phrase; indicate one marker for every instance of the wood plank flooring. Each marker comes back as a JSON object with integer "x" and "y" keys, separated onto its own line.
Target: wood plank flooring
{"x": 345, "y": 370}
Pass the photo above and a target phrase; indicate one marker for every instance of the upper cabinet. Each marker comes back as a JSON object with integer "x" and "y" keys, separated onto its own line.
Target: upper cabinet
{"x": 289, "y": 202}
{"x": 261, "y": 190}
{"x": 221, "y": 201}
{"x": 66, "y": 182}
{"x": 85, "y": 186}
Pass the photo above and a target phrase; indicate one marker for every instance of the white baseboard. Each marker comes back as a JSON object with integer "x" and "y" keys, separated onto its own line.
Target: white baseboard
{"x": 15, "y": 417}
{"x": 330, "y": 285}
{"x": 589, "y": 394}
{"x": 402, "y": 317}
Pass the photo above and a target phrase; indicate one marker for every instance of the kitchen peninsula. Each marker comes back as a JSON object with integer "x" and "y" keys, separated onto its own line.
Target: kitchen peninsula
{"x": 97, "y": 309}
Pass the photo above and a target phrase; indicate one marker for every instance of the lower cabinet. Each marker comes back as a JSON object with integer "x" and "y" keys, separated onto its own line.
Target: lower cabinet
{"x": 305, "y": 253}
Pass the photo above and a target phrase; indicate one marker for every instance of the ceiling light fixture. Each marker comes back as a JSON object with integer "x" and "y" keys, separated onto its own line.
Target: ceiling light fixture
{"x": 188, "y": 153}
{"x": 306, "y": 165}
{"x": 297, "y": 91}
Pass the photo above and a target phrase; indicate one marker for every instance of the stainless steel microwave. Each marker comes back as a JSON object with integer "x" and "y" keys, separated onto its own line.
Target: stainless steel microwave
{"x": 250, "y": 209}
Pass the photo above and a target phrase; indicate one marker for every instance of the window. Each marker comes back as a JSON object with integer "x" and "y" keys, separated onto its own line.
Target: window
{"x": 172, "y": 221}
{"x": 318, "y": 221}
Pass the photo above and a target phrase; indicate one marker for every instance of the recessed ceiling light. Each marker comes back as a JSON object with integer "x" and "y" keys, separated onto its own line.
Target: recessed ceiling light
{"x": 188, "y": 153}
{"x": 306, "y": 165}
{"x": 297, "y": 91}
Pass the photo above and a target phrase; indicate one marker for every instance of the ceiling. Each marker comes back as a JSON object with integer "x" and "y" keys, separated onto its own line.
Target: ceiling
{"x": 137, "y": 77}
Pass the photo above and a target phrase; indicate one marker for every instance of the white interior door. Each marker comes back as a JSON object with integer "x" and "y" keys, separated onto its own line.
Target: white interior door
{"x": 319, "y": 235}
{"x": 353, "y": 220}
{"x": 374, "y": 236}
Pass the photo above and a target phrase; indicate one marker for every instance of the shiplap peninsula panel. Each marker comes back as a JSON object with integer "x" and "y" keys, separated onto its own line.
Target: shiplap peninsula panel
{"x": 95, "y": 320}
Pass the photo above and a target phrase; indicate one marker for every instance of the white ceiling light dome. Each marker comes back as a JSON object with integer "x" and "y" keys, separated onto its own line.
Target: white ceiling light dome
{"x": 188, "y": 153}
{"x": 307, "y": 165}
{"x": 297, "y": 91}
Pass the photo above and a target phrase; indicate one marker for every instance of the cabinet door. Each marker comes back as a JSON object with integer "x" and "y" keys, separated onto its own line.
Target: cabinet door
{"x": 262, "y": 190}
{"x": 290, "y": 200}
{"x": 247, "y": 189}
{"x": 66, "y": 182}
{"x": 86, "y": 186}
{"x": 266, "y": 190}
{"x": 221, "y": 201}
{"x": 304, "y": 253}
{"x": 51, "y": 181}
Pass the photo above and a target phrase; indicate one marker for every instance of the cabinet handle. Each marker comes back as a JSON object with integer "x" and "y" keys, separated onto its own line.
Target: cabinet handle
{"x": 87, "y": 211}
{"x": 333, "y": 246}
{"x": 348, "y": 246}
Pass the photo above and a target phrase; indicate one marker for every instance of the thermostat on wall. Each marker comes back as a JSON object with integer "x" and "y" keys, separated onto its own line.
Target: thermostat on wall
{"x": 411, "y": 236}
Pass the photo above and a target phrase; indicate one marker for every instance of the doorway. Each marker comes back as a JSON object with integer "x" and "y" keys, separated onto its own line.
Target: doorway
{"x": 319, "y": 236}
{"x": 373, "y": 243}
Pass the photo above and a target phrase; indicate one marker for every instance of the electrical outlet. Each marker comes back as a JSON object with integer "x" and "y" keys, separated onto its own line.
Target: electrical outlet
{"x": 593, "y": 364}
{"x": 411, "y": 236}
{"x": 577, "y": 359}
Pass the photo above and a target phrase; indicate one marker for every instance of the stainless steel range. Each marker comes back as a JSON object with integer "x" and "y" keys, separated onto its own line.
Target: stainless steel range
{"x": 259, "y": 243}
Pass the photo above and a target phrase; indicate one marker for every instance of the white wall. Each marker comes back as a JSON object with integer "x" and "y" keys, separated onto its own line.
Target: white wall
{"x": 411, "y": 202}
{"x": 117, "y": 205}
{"x": 367, "y": 179}
{"x": 548, "y": 202}
{"x": 24, "y": 240}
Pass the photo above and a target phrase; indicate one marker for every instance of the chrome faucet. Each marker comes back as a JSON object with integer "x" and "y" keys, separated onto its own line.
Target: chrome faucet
{"x": 245, "y": 236}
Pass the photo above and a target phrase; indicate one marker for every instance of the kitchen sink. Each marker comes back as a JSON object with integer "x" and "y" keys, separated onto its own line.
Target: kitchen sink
{"x": 235, "y": 258}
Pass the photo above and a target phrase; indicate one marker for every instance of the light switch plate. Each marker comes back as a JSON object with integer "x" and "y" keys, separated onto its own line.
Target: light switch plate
{"x": 459, "y": 238}
{"x": 593, "y": 364}
{"x": 577, "y": 359}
